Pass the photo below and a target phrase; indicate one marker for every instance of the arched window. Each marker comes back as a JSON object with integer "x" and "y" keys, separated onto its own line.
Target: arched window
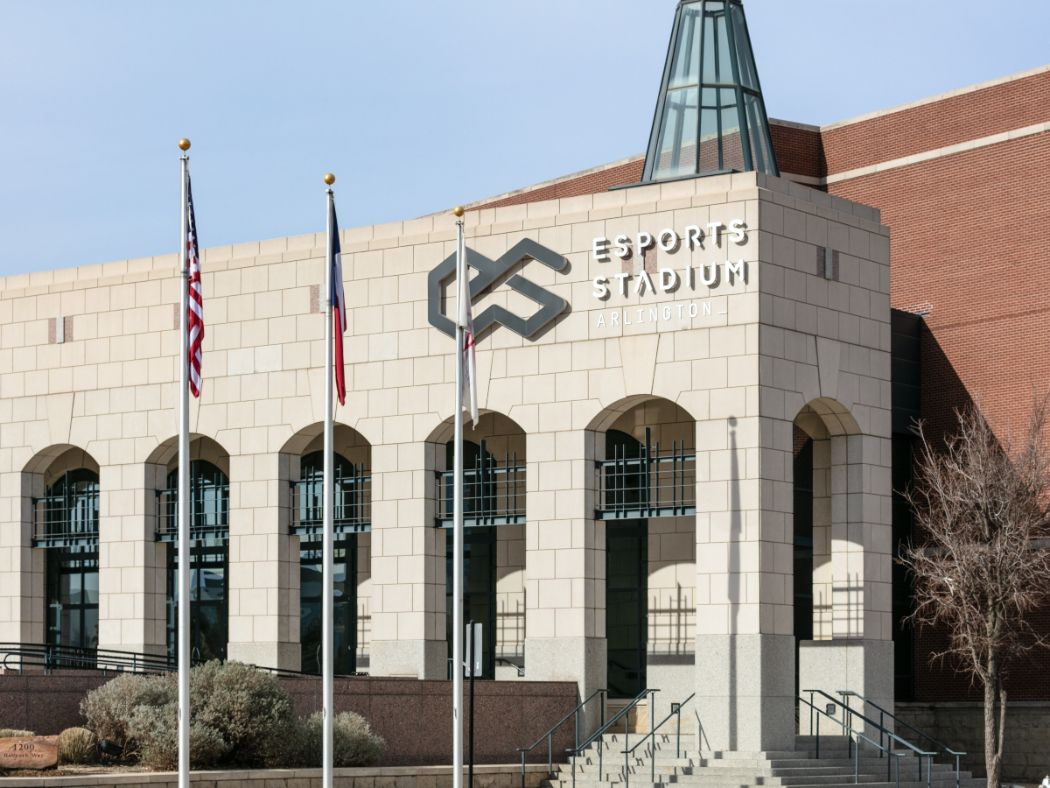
{"x": 67, "y": 524}
{"x": 209, "y": 551}
{"x": 351, "y": 516}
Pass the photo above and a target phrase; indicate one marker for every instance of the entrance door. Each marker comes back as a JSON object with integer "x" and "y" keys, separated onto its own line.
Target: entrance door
{"x": 208, "y": 608}
{"x": 479, "y": 590}
{"x": 626, "y": 578}
{"x": 311, "y": 587}
{"x": 72, "y": 601}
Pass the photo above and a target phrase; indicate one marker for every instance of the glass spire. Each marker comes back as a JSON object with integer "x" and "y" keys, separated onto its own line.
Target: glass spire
{"x": 710, "y": 117}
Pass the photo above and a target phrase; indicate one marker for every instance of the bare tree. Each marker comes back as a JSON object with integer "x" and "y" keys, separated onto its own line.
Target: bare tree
{"x": 981, "y": 509}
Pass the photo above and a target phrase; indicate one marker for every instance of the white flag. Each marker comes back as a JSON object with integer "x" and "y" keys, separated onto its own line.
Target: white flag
{"x": 466, "y": 322}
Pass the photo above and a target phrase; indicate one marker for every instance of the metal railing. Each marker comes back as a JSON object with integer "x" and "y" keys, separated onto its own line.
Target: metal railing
{"x": 884, "y": 713}
{"x": 885, "y": 734}
{"x": 49, "y": 657}
{"x": 599, "y": 735}
{"x": 676, "y": 712}
{"x": 656, "y": 483}
{"x": 209, "y": 513}
{"x": 493, "y": 492}
{"x": 65, "y": 520}
{"x": 352, "y": 506}
{"x": 21, "y": 656}
{"x": 574, "y": 715}
{"x": 855, "y": 745}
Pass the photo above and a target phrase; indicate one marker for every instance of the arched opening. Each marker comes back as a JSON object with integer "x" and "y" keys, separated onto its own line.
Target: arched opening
{"x": 820, "y": 432}
{"x": 645, "y": 462}
{"x": 352, "y": 525}
{"x": 64, "y": 485}
{"x": 494, "y": 536}
{"x": 209, "y": 543}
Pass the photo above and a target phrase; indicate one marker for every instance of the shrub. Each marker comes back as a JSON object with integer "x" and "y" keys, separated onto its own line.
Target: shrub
{"x": 156, "y": 728}
{"x": 248, "y": 707}
{"x": 354, "y": 742}
{"x": 7, "y": 732}
{"x": 109, "y": 708}
{"x": 77, "y": 745}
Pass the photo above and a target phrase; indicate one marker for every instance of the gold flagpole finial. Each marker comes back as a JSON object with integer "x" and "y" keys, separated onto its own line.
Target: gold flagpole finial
{"x": 329, "y": 178}
{"x": 459, "y": 210}
{"x": 184, "y": 144}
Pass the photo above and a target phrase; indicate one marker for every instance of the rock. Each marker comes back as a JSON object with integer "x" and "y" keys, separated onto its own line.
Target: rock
{"x": 29, "y": 752}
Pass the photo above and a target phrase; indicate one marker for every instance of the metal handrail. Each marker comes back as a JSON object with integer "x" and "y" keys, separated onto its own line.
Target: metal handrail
{"x": 855, "y": 750}
{"x": 676, "y": 711}
{"x": 549, "y": 735}
{"x": 511, "y": 663}
{"x": 599, "y": 734}
{"x": 883, "y": 713}
{"x": 883, "y": 731}
{"x": 55, "y": 657}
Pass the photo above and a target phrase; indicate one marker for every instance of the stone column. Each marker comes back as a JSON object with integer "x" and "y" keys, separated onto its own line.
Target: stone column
{"x": 564, "y": 562}
{"x": 132, "y": 564}
{"x": 744, "y": 553}
{"x": 21, "y": 567}
{"x": 822, "y": 566}
{"x": 510, "y": 598}
{"x": 363, "y": 619}
{"x": 408, "y": 564}
{"x": 263, "y": 566}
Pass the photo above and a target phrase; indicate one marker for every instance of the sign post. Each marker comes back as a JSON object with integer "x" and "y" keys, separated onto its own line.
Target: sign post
{"x": 473, "y": 667}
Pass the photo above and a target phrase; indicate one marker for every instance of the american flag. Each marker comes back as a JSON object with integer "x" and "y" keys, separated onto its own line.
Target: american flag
{"x": 195, "y": 309}
{"x": 338, "y": 304}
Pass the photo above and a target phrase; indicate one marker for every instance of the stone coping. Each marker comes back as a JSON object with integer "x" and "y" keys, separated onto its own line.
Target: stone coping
{"x": 269, "y": 777}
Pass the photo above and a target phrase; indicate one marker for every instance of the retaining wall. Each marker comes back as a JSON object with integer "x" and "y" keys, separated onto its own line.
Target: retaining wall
{"x": 506, "y": 776}
{"x": 414, "y": 717}
{"x": 1026, "y": 756}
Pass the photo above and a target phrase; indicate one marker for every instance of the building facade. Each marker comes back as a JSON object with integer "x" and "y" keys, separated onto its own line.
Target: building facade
{"x": 696, "y": 404}
{"x": 630, "y": 495}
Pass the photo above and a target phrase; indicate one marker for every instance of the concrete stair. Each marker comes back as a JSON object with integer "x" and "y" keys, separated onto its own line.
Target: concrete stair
{"x": 603, "y": 765}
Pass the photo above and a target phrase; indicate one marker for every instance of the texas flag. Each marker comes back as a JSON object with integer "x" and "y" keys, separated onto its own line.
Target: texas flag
{"x": 338, "y": 303}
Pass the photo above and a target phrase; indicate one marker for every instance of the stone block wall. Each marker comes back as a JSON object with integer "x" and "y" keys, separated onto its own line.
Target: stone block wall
{"x": 1026, "y": 755}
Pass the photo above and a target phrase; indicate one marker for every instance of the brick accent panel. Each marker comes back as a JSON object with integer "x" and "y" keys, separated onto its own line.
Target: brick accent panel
{"x": 590, "y": 183}
{"x": 979, "y": 113}
{"x": 799, "y": 151}
{"x": 969, "y": 238}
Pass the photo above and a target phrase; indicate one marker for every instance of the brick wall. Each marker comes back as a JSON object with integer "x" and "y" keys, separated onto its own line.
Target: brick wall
{"x": 936, "y": 124}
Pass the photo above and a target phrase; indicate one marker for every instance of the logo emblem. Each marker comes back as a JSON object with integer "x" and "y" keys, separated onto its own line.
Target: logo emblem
{"x": 491, "y": 272}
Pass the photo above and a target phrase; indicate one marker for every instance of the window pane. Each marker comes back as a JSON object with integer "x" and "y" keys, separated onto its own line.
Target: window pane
{"x": 686, "y": 68}
{"x": 677, "y": 151}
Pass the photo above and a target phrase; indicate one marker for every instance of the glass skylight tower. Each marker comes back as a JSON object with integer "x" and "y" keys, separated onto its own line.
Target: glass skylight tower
{"x": 710, "y": 117}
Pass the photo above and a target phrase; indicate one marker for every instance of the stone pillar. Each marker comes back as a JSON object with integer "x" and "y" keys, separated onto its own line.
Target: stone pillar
{"x": 859, "y": 655}
{"x": 670, "y": 657}
{"x": 510, "y": 599}
{"x": 21, "y": 566}
{"x": 744, "y": 555}
{"x": 263, "y": 567}
{"x": 822, "y": 566}
{"x": 408, "y": 564}
{"x": 132, "y": 564}
{"x": 363, "y": 620}
{"x": 564, "y": 562}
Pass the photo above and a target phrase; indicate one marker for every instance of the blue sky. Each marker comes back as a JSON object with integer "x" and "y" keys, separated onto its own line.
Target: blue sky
{"x": 414, "y": 105}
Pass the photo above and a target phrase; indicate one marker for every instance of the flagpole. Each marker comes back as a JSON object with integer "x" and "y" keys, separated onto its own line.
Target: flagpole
{"x": 457, "y": 521}
{"x": 183, "y": 495}
{"x": 327, "y": 607}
